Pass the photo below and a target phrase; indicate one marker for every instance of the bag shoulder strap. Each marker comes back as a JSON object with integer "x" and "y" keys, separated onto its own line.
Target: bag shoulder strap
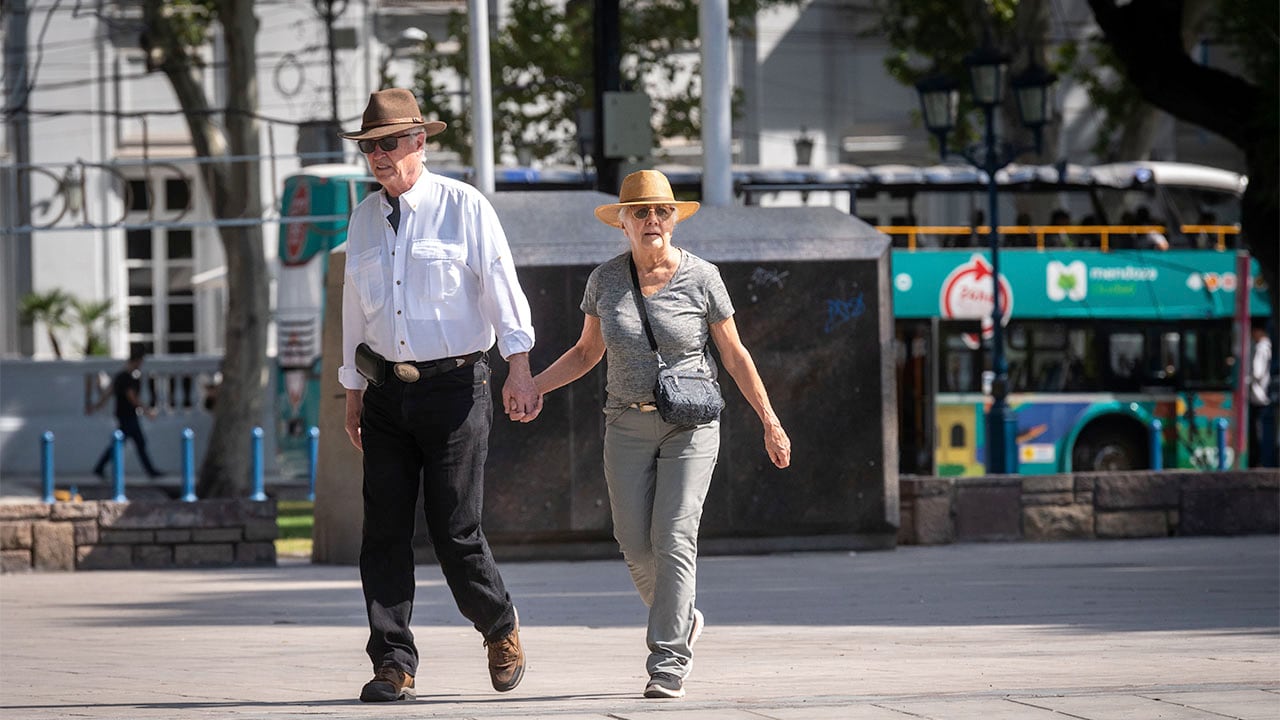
{"x": 640, "y": 307}
{"x": 644, "y": 317}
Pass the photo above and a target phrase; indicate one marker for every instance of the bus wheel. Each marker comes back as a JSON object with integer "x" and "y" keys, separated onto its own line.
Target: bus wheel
{"x": 1108, "y": 447}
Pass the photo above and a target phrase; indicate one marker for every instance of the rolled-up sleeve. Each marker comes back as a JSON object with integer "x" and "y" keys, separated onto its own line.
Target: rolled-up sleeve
{"x": 353, "y": 326}
{"x": 502, "y": 301}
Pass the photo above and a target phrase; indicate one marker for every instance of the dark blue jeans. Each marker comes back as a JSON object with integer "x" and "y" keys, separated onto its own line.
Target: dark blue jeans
{"x": 433, "y": 435}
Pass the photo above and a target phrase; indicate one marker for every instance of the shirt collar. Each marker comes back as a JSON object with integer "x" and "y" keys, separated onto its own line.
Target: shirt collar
{"x": 413, "y": 196}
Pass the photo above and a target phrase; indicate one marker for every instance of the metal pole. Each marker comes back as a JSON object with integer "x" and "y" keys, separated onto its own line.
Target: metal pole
{"x": 1221, "y": 426}
{"x": 188, "y": 465}
{"x": 258, "y": 493}
{"x": 313, "y": 456}
{"x": 608, "y": 78}
{"x": 1002, "y": 450}
{"x": 46, "y": 465}
{"x": 333, "y": 63}
{"x": 325, "y": 9}
{"x": 15, "y": 190}
{"x": 481, "y": 96}
{"x": 1240, "y": 396}
{"x": 1157, "y": 444}
{"x": 117, "y": 469}
{"x": 717, "y": 130}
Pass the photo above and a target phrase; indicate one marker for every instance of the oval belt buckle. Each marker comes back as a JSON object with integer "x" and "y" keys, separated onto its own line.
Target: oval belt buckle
{"x": 407, "y": 372}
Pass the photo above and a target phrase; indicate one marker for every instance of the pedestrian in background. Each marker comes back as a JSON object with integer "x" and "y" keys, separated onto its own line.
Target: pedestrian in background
{"x": 658, "y": 473}
{"x": 126, "y": 390}
{"x": 430, "y": 285}
{"x": 1259, "y": 386}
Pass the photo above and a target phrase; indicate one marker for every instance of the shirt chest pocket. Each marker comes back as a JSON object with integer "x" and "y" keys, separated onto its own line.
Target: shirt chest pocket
{"x": 368, "y": 274}
{"x": 435, "y": 275}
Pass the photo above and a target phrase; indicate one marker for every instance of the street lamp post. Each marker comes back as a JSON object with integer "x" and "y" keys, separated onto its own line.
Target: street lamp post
{"x": 939, "y": 103}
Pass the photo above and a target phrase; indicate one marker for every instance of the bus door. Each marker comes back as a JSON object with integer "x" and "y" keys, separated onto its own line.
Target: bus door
{"x": 916, "y": 375}
{"x": 962, "y": 382}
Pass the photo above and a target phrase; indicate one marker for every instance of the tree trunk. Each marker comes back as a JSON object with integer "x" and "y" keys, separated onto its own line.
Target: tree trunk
{"x": 226, "y": 467}
{"x": 234, "y": 190}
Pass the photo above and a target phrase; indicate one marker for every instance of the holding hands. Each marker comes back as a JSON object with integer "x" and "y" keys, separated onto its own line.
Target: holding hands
{"x": 520, "y": 397}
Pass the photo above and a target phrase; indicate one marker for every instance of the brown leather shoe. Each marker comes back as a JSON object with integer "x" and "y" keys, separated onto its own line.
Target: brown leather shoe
{"x": 389, "y": 684}
{"x": 506, "y": 660}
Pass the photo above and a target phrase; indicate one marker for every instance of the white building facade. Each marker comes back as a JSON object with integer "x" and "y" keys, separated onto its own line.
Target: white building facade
{"x": 100, "y": 187}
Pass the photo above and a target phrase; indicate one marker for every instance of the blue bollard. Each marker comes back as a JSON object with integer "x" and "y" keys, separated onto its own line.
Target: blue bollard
{"x": 1221, "y": 424}
{"x": 117, "y": 460}
{"x": 46, "y": 465}
{"x": 1157, "y": 444}
{"x": 313, "y": 454}
{"x": 188, "y": 465}
{"x": 258, "y": 494}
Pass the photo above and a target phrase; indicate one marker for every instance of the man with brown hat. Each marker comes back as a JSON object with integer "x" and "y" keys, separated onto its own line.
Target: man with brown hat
{"x": 430, "y": 286}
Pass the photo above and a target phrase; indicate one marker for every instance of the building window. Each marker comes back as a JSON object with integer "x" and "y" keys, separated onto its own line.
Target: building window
{"x": 160, "y": 264}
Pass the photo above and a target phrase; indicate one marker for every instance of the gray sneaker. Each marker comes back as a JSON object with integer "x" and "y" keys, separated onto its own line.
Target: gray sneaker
{"x": 664, "y": 685}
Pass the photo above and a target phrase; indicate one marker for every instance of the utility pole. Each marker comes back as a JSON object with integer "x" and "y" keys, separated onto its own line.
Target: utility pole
{"x": 323, "y": 136}
{"x": 608, "y": 78}
{"x": 481, "y": 97}
{"x": 16, "y": 183}
{"x": 717, "y": 118}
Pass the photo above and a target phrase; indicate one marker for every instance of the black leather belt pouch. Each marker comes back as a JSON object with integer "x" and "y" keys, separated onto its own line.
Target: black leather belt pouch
{"x": 370, "y": 364}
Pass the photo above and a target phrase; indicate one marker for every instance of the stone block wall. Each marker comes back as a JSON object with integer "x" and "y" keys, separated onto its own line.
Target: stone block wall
{"x": 1137, "y": 504}
{"x": 108, "y": 535}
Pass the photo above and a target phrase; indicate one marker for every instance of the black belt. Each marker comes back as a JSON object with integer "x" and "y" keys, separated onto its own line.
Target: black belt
{"x": 412, "y": 372}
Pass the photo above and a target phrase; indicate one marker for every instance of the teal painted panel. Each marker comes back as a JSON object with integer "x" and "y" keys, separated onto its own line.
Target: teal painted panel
{"x": 1134, "y": 284}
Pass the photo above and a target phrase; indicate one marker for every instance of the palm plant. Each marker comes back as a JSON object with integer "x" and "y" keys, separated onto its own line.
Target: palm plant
{"x": 94, "y": 318}
{"x": 49, "y": 308}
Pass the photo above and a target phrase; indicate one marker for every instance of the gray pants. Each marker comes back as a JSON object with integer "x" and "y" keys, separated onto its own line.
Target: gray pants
{"x": 658, "y": 475}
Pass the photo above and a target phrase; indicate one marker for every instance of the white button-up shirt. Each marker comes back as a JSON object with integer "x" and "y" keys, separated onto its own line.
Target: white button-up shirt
{"x": 444, "y": 285}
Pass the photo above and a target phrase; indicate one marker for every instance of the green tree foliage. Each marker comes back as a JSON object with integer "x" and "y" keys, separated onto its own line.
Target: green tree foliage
{"x": 1139, "y": 60}
{"x": 932, "y": 37}
{"x": 542, "y": 63}
{"x": 1148, "y": 38}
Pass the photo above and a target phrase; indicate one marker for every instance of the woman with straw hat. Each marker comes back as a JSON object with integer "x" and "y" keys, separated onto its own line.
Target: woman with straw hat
{"x": 658, "y": 473}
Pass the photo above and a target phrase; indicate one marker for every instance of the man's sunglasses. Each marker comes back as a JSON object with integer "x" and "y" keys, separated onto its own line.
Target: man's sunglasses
{"x": 387, "y": 143}
{"x": 643, "y": 212}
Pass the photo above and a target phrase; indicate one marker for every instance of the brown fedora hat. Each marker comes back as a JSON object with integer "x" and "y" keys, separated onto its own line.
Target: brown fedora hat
{"x": 645, "y": 187}
{"x": 391, "y": 112}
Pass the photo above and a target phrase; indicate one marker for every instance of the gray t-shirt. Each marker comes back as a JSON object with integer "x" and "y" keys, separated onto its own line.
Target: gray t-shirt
{"x": 679, "y": 314}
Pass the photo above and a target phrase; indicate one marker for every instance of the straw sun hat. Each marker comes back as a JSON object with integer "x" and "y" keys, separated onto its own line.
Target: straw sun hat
{"x": 392, "y": 112}
{"x": 645, "y": 187}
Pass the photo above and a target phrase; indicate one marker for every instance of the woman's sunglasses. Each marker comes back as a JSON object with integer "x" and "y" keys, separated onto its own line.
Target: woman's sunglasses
{"x": 387, "y": 143}
{"x": 643, "y": 212}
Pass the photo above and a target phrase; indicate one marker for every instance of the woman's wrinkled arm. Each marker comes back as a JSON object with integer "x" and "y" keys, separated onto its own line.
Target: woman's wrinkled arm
{"x": 576, "y": 361}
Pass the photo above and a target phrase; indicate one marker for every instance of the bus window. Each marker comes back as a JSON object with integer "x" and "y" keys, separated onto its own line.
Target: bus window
{"x": 961, "y": 365}
{"x": 1049, "y": 363}
{"x": 1207, "y": 358}
{"x": 1081, "y": 360}
{"x": 1049, "y": 336}
{"x": 1125, "y": 354}
{"x": 1169, "y": 356}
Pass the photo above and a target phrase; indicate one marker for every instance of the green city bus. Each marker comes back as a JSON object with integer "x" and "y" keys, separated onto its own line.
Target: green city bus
{"x": 1103, "y": 332}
